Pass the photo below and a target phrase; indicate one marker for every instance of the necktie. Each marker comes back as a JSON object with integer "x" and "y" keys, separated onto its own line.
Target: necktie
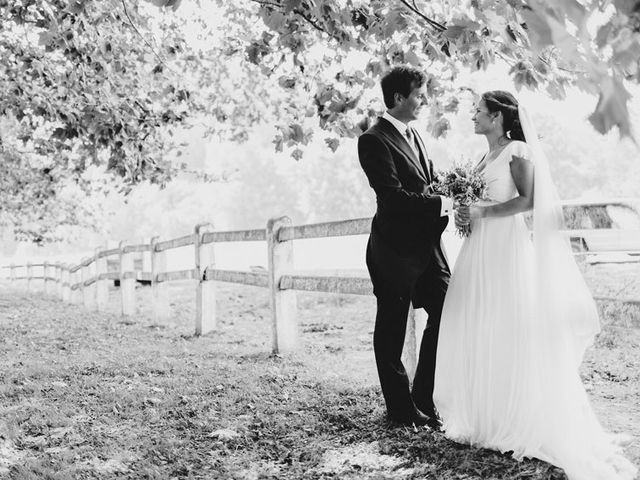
{"x": 410, "y": 138}
{"x": 412, "y": 142}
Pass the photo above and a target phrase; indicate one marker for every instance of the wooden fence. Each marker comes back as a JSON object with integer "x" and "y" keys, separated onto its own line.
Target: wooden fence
{"x": 88, "y": 282}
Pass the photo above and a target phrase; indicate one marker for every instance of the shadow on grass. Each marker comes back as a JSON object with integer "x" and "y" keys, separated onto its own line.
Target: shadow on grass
{"x": 295, "y": 424}
{"x": 348, "y": 416}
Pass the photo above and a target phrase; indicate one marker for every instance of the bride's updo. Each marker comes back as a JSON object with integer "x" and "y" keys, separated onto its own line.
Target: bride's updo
{"x": 501, "y": 101}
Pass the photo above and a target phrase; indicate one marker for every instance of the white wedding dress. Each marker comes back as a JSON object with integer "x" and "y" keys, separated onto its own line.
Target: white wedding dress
{"x": 507, "y": 364}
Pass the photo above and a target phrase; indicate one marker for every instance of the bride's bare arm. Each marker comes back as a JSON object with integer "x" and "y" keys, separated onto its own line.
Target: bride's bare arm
{"x": 522, "y": 173}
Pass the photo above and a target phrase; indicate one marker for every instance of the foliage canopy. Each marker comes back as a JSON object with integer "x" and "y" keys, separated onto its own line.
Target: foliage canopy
{"x": 104, "y": 83}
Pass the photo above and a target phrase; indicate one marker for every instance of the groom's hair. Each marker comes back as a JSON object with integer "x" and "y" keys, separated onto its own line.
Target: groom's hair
{"x": 400, "y": 80}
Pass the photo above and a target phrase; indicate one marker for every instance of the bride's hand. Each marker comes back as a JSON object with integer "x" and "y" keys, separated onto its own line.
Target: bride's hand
{"x": 462, "y": 216}
{"x": 476, "y": 212}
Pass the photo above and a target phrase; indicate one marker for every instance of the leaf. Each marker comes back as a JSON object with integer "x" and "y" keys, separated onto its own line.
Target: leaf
{"x": 274, "y": 19}
{"x": 297, "y": 154}
{"x": 452, "y": 105}
{"x": 296, "y": 133}
{"x": 626, "y": 7}
{"x": 411, "y": 58}
{"x": 454, "y": 32}
{"x": 440, "y": 127}
{"x": 287, "y": 82}
{"x": 167, "y": 3}
{"x": 576, "y": 11}
{"x": 538, "y": 30}
{"x": 290, "y": 5}
{"x": 278, "y": 142}
{"x": 76, "y": 6}
{"x": 556, "y": 90}
{"x": 564, "y": 41}
{"x": 332, "y": 143}
{"x": 603, "y": 34}
{"x": 496, "y": 21}
{"x": 611, "y": 110}
{"x": 45, "y": 38}
{"x": 524, "y": 74}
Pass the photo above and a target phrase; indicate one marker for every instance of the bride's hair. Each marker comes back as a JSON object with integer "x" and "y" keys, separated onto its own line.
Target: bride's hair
{"x": 501, "y": 101}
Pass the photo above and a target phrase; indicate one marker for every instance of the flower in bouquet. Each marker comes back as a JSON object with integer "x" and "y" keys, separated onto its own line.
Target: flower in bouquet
{"x": 464, "y": 184}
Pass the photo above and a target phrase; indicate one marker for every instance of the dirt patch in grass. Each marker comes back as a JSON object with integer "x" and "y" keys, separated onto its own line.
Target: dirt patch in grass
{"x": 87, "y": 395}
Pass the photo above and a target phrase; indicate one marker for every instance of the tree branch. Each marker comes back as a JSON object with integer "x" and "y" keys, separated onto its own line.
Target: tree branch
{"x": 312, "y": 22}
{"x": 301, "y": 14}
{"x": 126, "y": 12}
{"x": 267, "y": 4}
{"x": 414, "y": 8}
{"x": 564, "y": 69}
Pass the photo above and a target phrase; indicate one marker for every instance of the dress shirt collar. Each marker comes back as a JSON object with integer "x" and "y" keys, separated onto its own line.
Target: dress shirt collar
{"x": 400, "y": 126}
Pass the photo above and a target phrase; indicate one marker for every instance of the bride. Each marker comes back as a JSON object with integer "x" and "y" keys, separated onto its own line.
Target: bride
{"x": 518, "y": 316}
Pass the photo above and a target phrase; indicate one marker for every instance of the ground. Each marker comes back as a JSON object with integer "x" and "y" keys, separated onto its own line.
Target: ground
{"x": 94, "y": 395}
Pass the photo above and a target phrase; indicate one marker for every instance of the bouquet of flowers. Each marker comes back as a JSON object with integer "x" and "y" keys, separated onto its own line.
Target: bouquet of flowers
{"x": 464, "y": 184}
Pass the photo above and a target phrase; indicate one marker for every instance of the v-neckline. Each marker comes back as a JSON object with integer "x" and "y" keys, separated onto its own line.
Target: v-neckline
{"x": 486, "y": 165}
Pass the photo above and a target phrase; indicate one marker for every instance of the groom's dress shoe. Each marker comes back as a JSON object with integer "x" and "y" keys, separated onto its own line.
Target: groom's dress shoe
{"x": 434, "y": 424}
{"x": 418, "y": 419}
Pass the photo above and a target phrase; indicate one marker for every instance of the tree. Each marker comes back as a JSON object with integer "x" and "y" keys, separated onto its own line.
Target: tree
{"x": 311, "y": 48}
{"x": 104, "y": 83}
{"x": 81, "y": 78}
{"x": 86, "y": 83}
{"x": 73, "y": 94}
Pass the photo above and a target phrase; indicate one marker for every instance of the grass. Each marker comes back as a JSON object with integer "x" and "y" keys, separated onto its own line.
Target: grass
{"x": 87, "y": 395}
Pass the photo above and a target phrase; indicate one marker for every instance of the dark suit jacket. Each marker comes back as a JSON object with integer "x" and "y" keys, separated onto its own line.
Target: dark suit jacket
{"x": 406, "y": 229}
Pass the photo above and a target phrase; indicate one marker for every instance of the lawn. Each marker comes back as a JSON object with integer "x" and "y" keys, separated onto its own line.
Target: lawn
{"x": 87, "y": 395}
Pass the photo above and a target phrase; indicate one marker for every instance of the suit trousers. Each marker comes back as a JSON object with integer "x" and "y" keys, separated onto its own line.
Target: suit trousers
{"x": 388, "y": 342}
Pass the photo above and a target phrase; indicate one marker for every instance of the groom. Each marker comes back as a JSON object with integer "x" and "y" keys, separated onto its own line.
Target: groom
{"x": 404, "y": 254}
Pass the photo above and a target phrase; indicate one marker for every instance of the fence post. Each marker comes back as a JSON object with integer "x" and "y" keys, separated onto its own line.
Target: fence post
{"x": 63, "y": 267}
{"x": 159, "y": 297}
{"x": 45, "y": 274}
{"x": 146, "y": 256}
{"x": 29, "y": 275}
{"x": 86, "y": 301}
{"x": 416, "y": 323}
{"x": 58, "y": 275}
{"x": 93, "y": 288}
{"x": 12, "y": 273}
{"x": 410, "y": 349}
{"x": 127, "y": 281}
{"x": 65, "y": 283}
{"x": 54, "y": 283}
{"x": 283, "y": 302}
{"x": 54, "y": 280}
{"x": 205, "y": 290}
{"x": 102, "y": 285}
{"x": 77, "y": 293}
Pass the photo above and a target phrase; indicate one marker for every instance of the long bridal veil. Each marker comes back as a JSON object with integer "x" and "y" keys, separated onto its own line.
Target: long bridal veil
{"x": 566, "y": 324}
{"x": 564, "y": 300}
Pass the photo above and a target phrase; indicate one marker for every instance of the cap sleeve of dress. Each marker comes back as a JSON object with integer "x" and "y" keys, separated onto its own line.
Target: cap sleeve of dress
{"x": 519, "y": 149}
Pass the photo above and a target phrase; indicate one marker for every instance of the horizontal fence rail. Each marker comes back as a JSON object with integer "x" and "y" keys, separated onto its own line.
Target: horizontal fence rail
{"x": 232, "y": 276}
{"x": 345, "y": 285}
{"x": 87, "y": 282}
{"x": 175, "y": 243}
{"x": 238, "y": 236}
{"x": 358, "y": 226}
{"x": 109, "y": 253}
{"x": 191, "y": 274}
